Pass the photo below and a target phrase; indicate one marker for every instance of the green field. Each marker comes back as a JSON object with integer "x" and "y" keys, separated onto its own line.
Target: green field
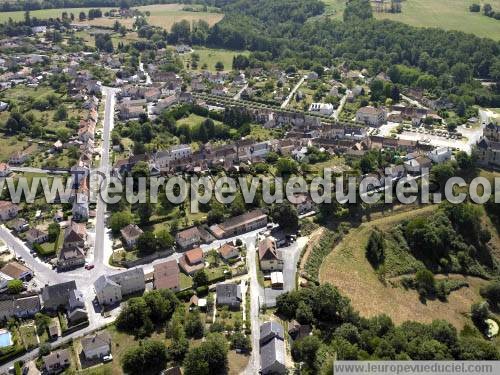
{"x": 45, "y": 13}
{"x": 210, "y": 57}
{"x": 448, "y": 15}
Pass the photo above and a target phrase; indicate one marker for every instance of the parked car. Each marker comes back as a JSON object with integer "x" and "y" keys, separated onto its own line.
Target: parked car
{"x": 89, "y": 266}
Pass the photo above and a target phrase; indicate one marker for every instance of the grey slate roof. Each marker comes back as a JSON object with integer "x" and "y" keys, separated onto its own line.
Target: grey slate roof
{"x": 96, "y": 341}
{"x": 228, "y": 294}
{"x": 269, "y": 330}
{"x": 57, "y": 294}
{"x": 272, "y": 357}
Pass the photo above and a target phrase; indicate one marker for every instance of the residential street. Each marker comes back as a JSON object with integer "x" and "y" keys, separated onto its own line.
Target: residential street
{"x": 253, "y": 366}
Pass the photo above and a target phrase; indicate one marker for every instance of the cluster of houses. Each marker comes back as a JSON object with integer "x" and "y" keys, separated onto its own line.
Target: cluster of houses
{"x": 52, "y": 299}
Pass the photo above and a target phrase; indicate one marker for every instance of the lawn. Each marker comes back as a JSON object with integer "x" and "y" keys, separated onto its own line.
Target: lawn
{"x": 237, "y": 362}
{"x": 165, "y": 15}
{"x": 193, "y": 120}
{"x": 210, "y": 56}
{"x": 45, "y": 13}
{"x": 185, "y": 281}
{"x": 9, "y": 145}
{"x": 28, "y": 335}
{"x": 346, "y": 267}
{"x": 448, "y": 15}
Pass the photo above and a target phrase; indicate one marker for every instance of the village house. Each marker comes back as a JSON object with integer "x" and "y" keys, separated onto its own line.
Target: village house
{"x": 18, "y": 157}
{"x": 35, "y": 235}
{"x": 188, "y": 238}
{"x": 57, "y": 361}
{"x": 228, "y": 251}
{"x": 269, "y": 258}
{"x": 371, "y": 116}
{"x": 192, "y": 261}
{"x": 131, "y": 234}
{"x": 21, "y": 307}
{"x": 166, "y": 275}
{"x": 57, "y": 295}
{"x": 8, "y": 210}
{"x": 162, "y": 159}
{"x": 97, "y": 345}
{"x": 228, "y": 294}
{"x": 487, "y": 149}
{"x": 17, "y": 271}
{"x": 240, "y": 224}
{"x": 75, "y": 235}
{"x": 416, "y": 166}
{"x": 111, "y": 289}
{"x": 19, "y": 225}
{"x": 325, "y": 109}
{"x": 70, "y": 257}
{"x": 272, "y": 349}
{"x": 298, "y": 331}
{"x": 440, "y": 155}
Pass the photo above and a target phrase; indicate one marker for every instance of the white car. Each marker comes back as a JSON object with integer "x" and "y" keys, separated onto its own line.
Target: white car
{"x": 107, "y": 358}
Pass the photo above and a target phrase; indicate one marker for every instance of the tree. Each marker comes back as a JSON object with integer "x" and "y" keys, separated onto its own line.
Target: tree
{"x": 286, "y": 216}
{"x": 286, "y": 166}
{"x": 461, "y": 73}
{"x": 54, "y": 230}
{"x": 210, "y": 357}
{"x": 464, "y": 161}
{"x": 305, "y": 349}
{"x": 165, "y": 239}
{"x": 357, "y": 10}
{"x": 134, "y": 317}
{"x": 200, "y": 278}
{"x": 160, "y": 308}
{"x": 475, "y": 8}
{"x": 147, "y": 243}
{"x": 240, "y": 341}
{"x": 119, "y": 220}
{"x": 487, "y": 10}
{"x": 376, "y": 90}
{"x": 148, "y": 358}
{"x": 479, "y": 313}
{"x": 219, "y": 66}
{"x": 491, "y": 292}
{"x": 425, "y": 283}
{"x": 375, "y": 248}
{"x": 61, "y": 113}
{"x": 194, "y": 326}
{"x": 15, "y": 286}
{"x": 144, "y": 211}
{"x": 82, "y": 16}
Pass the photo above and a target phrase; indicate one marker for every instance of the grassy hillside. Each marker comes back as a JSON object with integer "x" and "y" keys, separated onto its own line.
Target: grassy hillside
{"x": 347, "y": 268}
{"x": 446, "y": 14}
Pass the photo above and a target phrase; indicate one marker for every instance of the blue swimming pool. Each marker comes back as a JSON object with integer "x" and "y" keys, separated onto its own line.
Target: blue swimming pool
{"x": 5, "y": 339}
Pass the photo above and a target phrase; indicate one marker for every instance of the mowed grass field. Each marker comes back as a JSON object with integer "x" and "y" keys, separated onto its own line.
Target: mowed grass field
{"x": 165, "y": 15}
{"x": 346, "y": 267}
{"x": 162, "y": 15}
{"x": 45, "y": 13}
{"x": 448, "y": 15}
{"x": 211, "y": 56}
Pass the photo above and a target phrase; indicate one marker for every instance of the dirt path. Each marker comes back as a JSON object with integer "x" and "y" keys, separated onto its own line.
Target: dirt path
{"x": 313, "y": 238}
